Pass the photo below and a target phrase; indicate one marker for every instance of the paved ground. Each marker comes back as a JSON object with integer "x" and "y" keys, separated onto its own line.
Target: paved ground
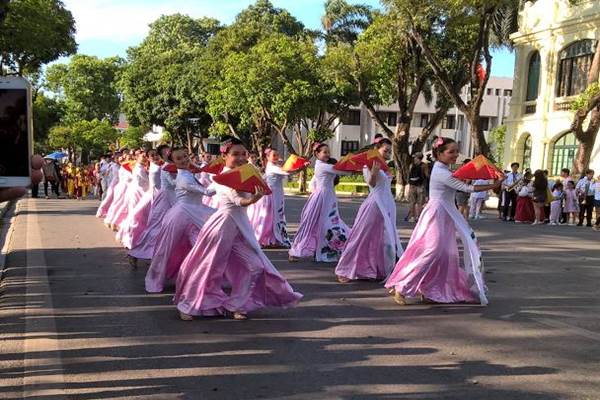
{"x": 75, "y": 323}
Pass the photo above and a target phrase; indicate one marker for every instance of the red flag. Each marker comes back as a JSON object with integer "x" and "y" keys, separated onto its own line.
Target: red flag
{"x": 294, "y": 163}
{"x": 243, "y": 179}
{"x": 478, "y": 168}
{"x": 215, "y": 167}
{"x": 356, "y": 162}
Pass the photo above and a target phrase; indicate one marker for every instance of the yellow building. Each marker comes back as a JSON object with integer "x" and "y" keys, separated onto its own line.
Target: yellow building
{"x": 554, "y": 47}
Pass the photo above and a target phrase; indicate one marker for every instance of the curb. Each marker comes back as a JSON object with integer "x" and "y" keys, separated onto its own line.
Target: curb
{"x": 6, "y": 225}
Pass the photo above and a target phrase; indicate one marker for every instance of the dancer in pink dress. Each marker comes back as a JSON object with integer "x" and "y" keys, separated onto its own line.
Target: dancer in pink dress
{"x": 430, "y": 266}
{"x": 138, "y": 184}
{"x": 322, "y": 234}
{"x": 267, "y": 216}
{"x": 112, "y": 178}
{"x": 134, "y": 225}
{"x": 119, "y": 195}
{"x": 180, "y": 226}
{"x": 226, "y": 253}
{"x": 162, "y": 202}
{"x": 373, "y": 246}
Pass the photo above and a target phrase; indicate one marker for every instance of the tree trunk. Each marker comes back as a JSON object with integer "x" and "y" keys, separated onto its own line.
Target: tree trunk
{"x": 303, "y": 181}
{"x": 480, "y": 145}
{"x": 85, "y": 156}
{"x": 402, "y": 158}
{"x": 188, "y": 137}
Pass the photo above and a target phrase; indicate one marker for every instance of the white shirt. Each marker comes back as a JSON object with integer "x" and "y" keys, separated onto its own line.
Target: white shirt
{"x": 511, "y": 178}
{"x": 581, "y": 186}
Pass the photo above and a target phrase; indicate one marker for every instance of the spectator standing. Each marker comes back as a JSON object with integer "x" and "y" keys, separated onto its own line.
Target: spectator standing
{"x": 417, "y": 176}
{"x": 478, "y": 198}
{"x": 565, "y": 178}
{"x": 509, "y": 190}
{"x": 50, "y": 177}
{"x": 585, "y": 192}
{"x": 540, "y": 193}
{"x": 525, "y": 212}
{"x": 597, "y": 203}
{"x": 571, "y": 208}
{"x": 556, "y": 203}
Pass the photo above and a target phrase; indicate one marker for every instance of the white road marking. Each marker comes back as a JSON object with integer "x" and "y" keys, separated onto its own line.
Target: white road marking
{"x": 44, "y": 350}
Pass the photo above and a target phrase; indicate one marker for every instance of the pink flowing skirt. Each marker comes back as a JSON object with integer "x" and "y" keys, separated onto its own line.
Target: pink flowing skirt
{"x": 106, "y": 202}
{"x": 363, "y": 257}
{"x": 176, "y": 237}
{"x": 117, "y": 202}
{"x": 163, "y": 201}
{"x": 430, "y": 265}
{"x": 134, "y": 225}
{"x": 222, "y": 255}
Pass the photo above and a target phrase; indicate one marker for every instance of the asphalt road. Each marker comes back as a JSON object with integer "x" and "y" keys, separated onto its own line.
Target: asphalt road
{"x": 76, "y": 323}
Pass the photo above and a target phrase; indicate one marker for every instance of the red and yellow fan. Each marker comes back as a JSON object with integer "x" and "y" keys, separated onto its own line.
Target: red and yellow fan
{"x": 478, "y": 168}
{"x": 215, "y": 167}
{"x": 128, "y": 165}
{"x": 173, "y": 169}
{"x": 356, "y": 162}
{"x": 243, "y": 179}
{"x": 295, "y": 163}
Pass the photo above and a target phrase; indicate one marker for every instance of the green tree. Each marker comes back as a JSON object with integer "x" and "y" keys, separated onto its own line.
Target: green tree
{"x": 88, "y": 138}
{"x": 497, "y": 137}
{"x": 88, "y": 87}
{"x": 343, "y": 22}
{"x": 132, "y": 138}
{"x": 33, "y": 33}
{"x": 468, "y": 26}
{"x": 47, "y": 112}
{"x": 164, "y": 81}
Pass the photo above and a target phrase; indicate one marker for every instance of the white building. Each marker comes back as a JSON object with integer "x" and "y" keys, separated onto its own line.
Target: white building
{"x": 358, "y": 128}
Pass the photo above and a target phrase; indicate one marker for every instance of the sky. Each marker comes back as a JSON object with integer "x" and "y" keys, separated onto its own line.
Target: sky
{"x": 108, "y": 27}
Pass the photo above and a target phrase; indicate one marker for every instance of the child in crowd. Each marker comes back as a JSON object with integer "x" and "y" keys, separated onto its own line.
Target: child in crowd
{"x": 556, "y": 204}
{"x": 571, "y": 203}
{"x": 596, "y": 226}
{"x": 477, "y": 199}
{"x": 525, "y": 212}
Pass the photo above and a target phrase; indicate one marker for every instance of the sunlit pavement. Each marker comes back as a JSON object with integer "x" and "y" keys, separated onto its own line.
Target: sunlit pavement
{"x": 76, "y": 323}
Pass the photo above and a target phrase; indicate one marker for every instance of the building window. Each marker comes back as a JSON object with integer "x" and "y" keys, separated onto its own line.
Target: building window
{"x": 497, "y": 92}
{"x": 527, "y": 153}
{"x": 485, "y": 123}
{"x": 352, "y": 117}
{"x": 348, "y": 146}
{"x": 424, "y": 120}
{"x": 533, "y": 77}
{"x": 391, "y": 119}
{"x": 213, "y": 148}
{"x": 449, "y": 122}
{"x": 489, "y": 91}
{"x": 575, "y": 61}
{"x": 461, "y": 122}
{"x": 507, "y": 92}
{"x": 563, "y": 153}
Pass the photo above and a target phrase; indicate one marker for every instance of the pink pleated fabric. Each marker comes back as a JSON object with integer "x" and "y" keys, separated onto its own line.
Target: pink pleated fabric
{"x": 177, "y": 235}
{"x": 134, "y": 225}
{"x": 321, "y": 234}
{"x": 226, "y": 253}
{"x": 110, "y": 191}
{"x": 115, "y": 210}
{"x": 373, "y": 245}
{"x": 162, "y": 203}
{"x": 431, "y": 264}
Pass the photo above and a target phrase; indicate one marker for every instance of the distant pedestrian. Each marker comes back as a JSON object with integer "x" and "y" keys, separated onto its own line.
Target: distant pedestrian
{"x": 509, "y": 187}
{"x": 556, "y": 203}
{"x": 540, "y": 195}
{"x": 571, "y": 208}
{"x": 585, "y": 192}
{"x": 417, "y": 176}
{"x": 50, "y": 177}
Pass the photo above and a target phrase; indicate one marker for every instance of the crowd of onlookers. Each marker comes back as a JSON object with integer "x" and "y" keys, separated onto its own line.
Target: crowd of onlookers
{"x": 67, "y": 180}
{"x": 532, "y": 198}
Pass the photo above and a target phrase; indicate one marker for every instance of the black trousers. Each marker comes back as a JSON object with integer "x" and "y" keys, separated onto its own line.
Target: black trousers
{"x": 54, "y": 187}
{"x": 586, "y": 210}
{"x": 510, "y": 204}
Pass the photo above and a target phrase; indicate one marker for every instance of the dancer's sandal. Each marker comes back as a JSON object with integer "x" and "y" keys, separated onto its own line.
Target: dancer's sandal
{"x": 398, "y": 298}
{"x": 238, "y": 316}
{"x": 342, "y": 279}
{"x": 185, "y": 317}
{"x": 132, "y": 261}
{"x": 425, "y": 300}
{"x": 293, "y": 259}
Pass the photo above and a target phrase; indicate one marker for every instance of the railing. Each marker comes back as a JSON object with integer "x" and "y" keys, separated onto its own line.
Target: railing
{"x": 562, "y": 105}
{"x": 530, "y": 108}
